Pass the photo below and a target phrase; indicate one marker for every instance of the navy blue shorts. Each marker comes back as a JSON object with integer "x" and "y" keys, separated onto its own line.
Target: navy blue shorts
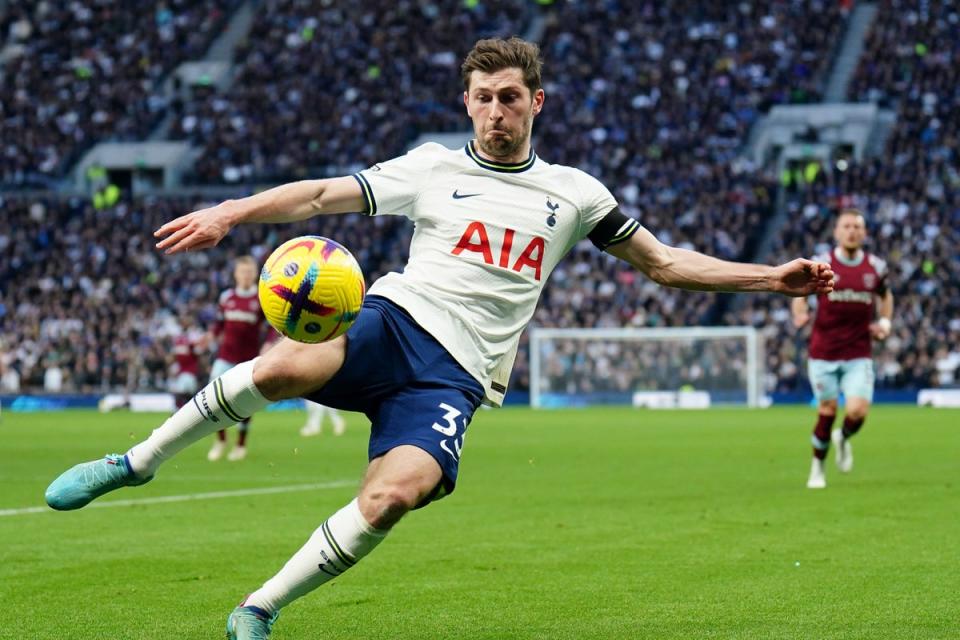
{"x": 407, "y": 384}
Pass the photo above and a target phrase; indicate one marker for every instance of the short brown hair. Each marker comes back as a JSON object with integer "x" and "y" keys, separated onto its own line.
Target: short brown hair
{"x": 850, "y": 211}
{"x": 495, "y": 54}
{"x": 245, "y": 260}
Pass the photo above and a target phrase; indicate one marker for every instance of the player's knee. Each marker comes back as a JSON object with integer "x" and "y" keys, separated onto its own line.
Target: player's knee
{"x": 383, "y": 504}
{"x": 857, "y": 411}
{"x": 274, "y": 380}
{"x": 828, "y": 407}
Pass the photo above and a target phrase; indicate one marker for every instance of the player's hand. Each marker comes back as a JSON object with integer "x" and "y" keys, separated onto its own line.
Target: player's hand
{"x": 880, "y": 330}
{"x": 802, "y": 277}
{"x": 198, "y": 230}
{"x": 801, "y": 319}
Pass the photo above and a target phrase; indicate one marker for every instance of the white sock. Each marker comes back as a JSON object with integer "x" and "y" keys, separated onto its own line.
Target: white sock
{"x": 314, "y": 414}
{"x": 337, "y": 545}
{"x": 225, "y": 401}
{"x": 336, "y": 418}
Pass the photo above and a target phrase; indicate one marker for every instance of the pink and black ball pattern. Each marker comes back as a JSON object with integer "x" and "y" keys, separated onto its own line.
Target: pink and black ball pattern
{"x": 311, "y": 289}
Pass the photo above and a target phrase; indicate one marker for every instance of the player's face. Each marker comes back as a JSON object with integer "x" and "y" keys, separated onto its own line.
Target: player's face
{"x": 244, "y": 275}
{"x": 502, "y": 109}
{"x": 850, "y": 231}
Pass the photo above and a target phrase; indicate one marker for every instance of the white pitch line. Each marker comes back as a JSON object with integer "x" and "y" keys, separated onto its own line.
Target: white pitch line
{"x": 211, "y": 495}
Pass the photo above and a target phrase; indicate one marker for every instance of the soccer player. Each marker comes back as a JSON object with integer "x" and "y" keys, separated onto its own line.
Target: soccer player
{"x": 840, "y": 343}
{"x": 240, "y": 329}
{"x": 432, "y": 342}
{"x": 185, "y": 365}
{"x": 315, "y": 413}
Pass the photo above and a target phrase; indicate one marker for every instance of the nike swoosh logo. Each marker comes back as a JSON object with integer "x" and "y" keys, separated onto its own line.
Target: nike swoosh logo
{"x": 460, "y": 196}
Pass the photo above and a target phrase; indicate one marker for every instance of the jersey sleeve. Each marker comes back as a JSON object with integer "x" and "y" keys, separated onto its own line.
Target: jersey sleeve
{"x": 596, "y": 202}
{"x": 392, "y": 187}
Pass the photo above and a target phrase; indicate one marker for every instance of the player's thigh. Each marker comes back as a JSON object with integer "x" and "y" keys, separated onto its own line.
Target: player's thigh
{"x": 856, "y": 381}
{"x": 824, "y": 379}
{"x": 292, "y": 369}
{"x": 431, "y": 418}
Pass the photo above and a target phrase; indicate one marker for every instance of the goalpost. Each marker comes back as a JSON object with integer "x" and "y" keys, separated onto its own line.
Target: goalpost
{"x": 655, "y": 367}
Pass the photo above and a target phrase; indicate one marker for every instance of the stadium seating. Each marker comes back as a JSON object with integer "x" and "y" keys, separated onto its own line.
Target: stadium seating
{"x": 655, "y": 99}
{"x": 323, "y": 85}
{"x": 77, "y": 73}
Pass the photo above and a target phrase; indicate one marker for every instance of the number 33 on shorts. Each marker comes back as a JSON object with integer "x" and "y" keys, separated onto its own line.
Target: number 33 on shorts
{"x": 452, "y": 443}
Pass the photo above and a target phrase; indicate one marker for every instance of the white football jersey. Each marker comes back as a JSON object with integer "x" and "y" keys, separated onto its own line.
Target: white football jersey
{"x": 486, "y": 238}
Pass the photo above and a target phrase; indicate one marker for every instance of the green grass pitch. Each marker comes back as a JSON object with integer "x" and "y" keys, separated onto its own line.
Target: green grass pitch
{"x": 602, "y": 523}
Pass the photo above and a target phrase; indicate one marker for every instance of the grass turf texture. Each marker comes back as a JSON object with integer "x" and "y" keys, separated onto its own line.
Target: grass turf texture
{"x": 602, "y": 523}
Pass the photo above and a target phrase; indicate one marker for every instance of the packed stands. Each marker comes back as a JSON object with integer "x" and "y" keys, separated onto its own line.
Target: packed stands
{"x": 654, "y": 99}
{"x": 77, "y": 73}
{"x": 323, "y": 84}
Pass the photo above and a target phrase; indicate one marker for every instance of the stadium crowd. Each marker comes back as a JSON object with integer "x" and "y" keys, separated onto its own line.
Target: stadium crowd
{"x": 655, "y": 99}
{"x": 326, "y": 84}
{"x": 75, "y": 73}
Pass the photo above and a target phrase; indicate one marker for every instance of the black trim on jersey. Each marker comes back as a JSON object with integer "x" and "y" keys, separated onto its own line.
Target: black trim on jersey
{"x": 614, "y": 228}
{"x": 367, "y": 195}
{"x": 882, "y": 286}
{"x": 502, "y": 167}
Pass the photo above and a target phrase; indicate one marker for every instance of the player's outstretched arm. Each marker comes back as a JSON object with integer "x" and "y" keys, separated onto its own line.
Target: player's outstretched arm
{"x": 205, "y": 228}
{"x": 686, "y": 269}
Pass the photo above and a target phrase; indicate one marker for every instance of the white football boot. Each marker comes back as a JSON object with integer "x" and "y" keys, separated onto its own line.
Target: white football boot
{"x": 237, "y": 453}
{"x": 817, "y": 479}
{"x": 844, "y": 451}
{"x": 217, "y": 450}
{"x": 310, "y": 430}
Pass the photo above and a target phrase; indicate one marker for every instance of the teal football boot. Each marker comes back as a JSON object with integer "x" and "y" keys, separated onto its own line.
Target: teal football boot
{"x": 80, "y": 484}
{"x": 250, "y": 623}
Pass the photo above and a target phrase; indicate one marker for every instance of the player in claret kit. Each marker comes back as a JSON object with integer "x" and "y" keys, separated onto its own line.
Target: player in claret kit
{"x": 840, "y": 353}
{"x": 240, "y": 330}
{"x": 434, "y": 341}
{"x": 185, "y": 361}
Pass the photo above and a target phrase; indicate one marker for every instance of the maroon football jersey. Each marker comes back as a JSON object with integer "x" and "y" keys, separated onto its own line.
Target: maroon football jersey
{"x": 841, "y": 329}
{"x": 240, "y": 326}
{"x": 185, "y": 353}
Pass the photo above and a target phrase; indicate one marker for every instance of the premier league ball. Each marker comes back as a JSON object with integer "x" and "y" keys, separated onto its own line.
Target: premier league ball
{"x": 311, "y": 289}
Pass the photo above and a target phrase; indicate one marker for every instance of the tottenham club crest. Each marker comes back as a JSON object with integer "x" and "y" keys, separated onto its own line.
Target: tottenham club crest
{"x": 552, "y": 218}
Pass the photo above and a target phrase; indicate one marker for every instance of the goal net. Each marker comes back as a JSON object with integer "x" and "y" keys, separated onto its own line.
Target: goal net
{"x": 687, "y": 367}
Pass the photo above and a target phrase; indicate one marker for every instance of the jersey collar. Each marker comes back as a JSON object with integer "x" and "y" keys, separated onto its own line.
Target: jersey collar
{"x": 844, "y": 260}
{"x": 514, "y": 167}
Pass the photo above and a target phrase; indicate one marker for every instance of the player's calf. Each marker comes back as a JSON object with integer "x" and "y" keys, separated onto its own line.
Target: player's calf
{"x": 821, "y": 435}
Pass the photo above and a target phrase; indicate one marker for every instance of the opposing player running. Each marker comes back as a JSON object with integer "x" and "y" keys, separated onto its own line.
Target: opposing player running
{"x": 240, "y": 330}
{"x": 840, "y": 353}
{"x": 185, "y": 361}
{"x": 492, "y": 220}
